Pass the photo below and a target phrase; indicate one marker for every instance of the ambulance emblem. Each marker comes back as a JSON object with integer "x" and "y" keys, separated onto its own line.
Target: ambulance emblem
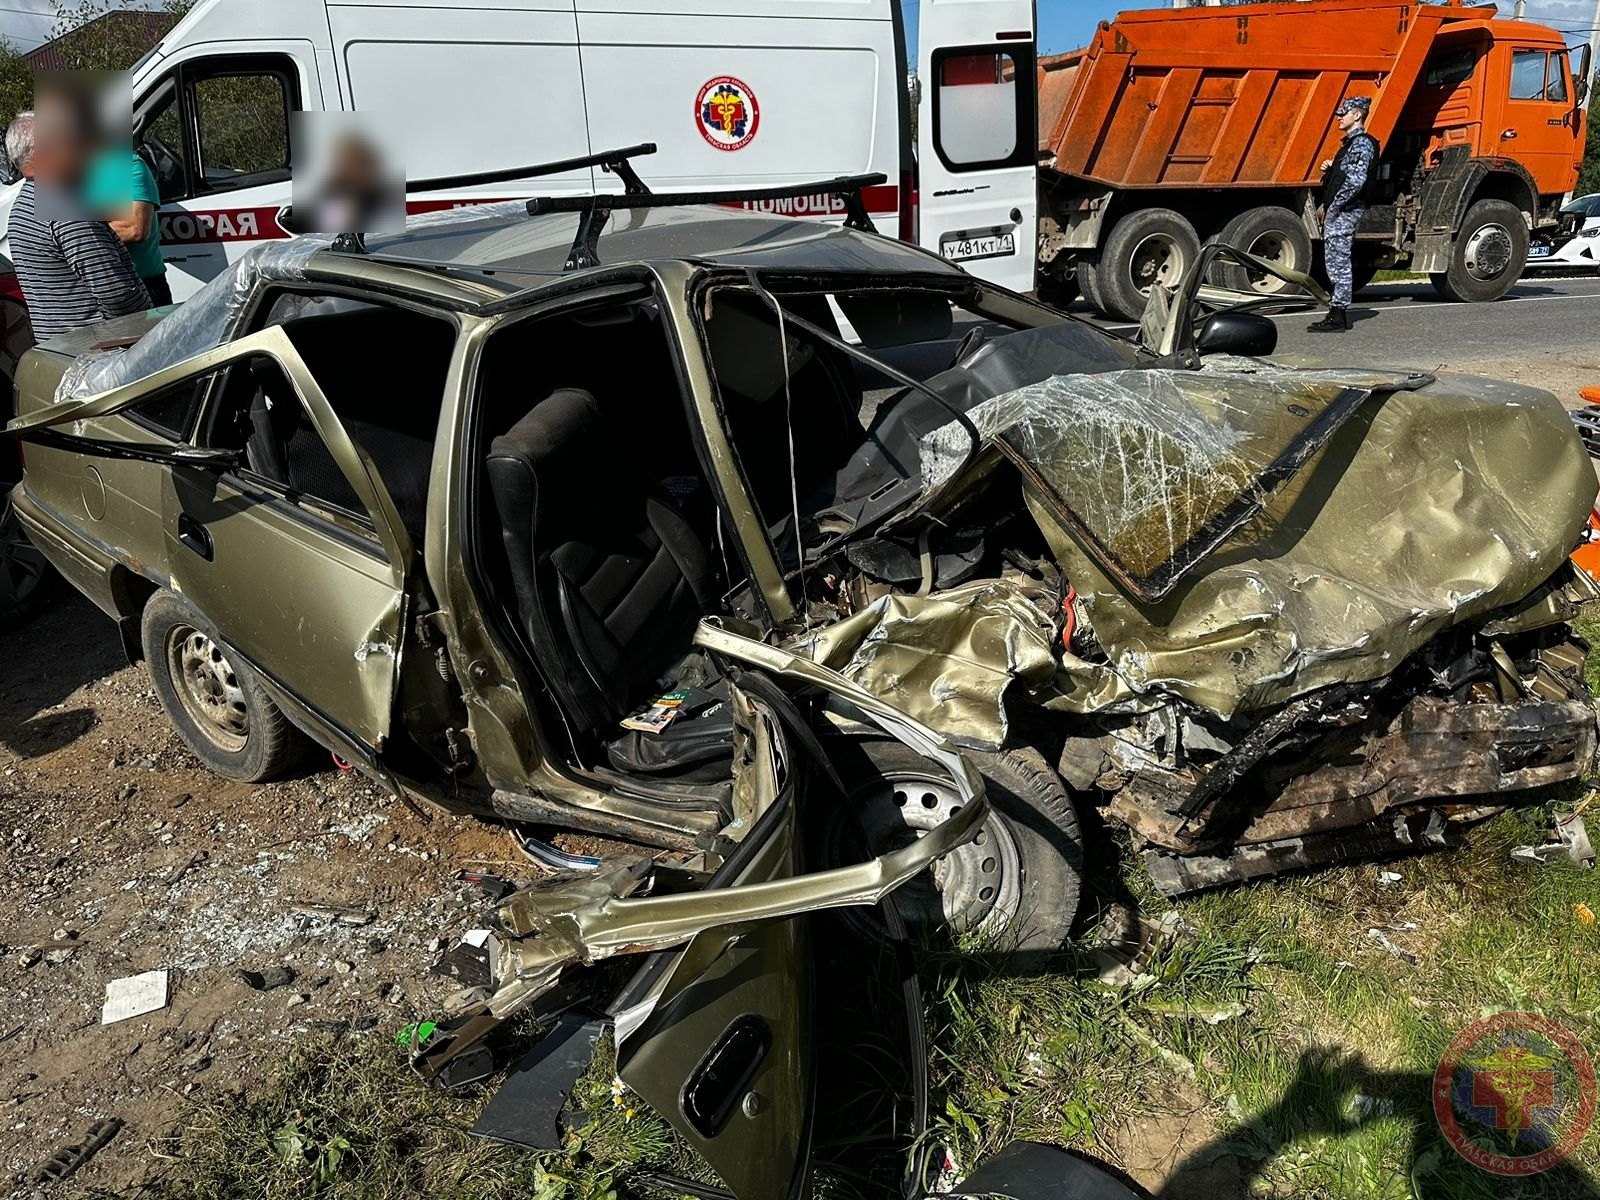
{"x": 727, "y": 113}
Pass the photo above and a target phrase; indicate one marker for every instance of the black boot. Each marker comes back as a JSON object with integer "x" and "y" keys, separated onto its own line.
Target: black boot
{"x": 1337, "y": 319}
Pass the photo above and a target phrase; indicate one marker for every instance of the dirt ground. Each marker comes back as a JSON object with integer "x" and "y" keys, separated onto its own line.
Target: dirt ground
{"x": 122, "y": 855}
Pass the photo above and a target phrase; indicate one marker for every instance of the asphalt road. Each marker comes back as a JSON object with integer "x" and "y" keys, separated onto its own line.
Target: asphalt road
{"x": 1545, "y": 332}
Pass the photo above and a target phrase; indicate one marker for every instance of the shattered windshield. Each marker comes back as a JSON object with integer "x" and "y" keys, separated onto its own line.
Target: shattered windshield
{"x": 830, "y": 443}
{"x": 1152, "y": 470}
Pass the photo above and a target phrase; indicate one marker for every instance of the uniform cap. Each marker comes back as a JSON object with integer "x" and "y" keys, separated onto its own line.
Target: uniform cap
{"x": 1361, "y": 104}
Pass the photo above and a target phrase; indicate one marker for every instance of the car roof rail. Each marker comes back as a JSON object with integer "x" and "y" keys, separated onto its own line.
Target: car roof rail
{"x": 616, "y": 161}
{"x": 595, "y": 211}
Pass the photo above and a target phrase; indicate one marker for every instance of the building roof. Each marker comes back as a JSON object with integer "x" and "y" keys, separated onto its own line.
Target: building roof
{"x": 131, "y": 31}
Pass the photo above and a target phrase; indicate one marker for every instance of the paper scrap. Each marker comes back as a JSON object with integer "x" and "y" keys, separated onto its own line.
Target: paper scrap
{"x": 134, "y": 996}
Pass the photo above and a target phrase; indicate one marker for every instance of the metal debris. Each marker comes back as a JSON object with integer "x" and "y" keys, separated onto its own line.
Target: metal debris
{"x": 69, "y": 1158}
{"x": 474, "y": 961}
{"x": 344, "y": 914}
{"x": 1383, "y": 939}
{"x": 1571, "y": 842}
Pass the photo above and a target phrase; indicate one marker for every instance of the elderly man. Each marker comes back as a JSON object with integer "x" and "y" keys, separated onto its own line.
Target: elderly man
{"x": 1344, "y": 201}
{"x": 73, "y": 271}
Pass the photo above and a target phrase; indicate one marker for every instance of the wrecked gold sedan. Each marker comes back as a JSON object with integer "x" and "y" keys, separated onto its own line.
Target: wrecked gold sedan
{"x": 812, "y": 563}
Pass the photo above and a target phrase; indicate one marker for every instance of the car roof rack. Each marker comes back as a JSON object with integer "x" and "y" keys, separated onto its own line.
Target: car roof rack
{"x": 615, "y": 161}
{"x": 595, "y": 211}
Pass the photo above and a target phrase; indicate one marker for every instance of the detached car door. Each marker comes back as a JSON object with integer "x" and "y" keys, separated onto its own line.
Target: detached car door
{"x": 308, "y": 585}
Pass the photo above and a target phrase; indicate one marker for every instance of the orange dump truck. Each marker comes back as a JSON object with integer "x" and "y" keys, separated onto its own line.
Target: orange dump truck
{"x": 1178, "y": 125}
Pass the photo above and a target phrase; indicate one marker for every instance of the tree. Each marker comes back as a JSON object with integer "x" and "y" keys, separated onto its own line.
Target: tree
{"x": 91, "y": 44}
{"x": 16, "y": 82}
{"x": 86, "y": 43}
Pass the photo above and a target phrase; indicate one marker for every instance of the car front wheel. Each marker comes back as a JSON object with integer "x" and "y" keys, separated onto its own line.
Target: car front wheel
{"x": 1017, "y": 880}
{"x": 217, "y": 705}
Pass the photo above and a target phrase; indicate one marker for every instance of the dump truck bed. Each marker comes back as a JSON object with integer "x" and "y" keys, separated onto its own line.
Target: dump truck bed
{"x": 1239, "y": 96}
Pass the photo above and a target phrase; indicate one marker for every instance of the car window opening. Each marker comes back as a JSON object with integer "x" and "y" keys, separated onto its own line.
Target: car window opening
{"x": 851, "y": 457}
{"x": 388, "y": 403}
{"x": 601, "y": 540}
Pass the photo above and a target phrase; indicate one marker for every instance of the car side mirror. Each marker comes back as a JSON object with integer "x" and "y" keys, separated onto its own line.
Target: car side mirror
{"x": 1247, "y": 334}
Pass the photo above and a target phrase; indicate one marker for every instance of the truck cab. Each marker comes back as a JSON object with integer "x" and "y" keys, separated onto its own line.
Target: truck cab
{"x": 1490, "y": 138}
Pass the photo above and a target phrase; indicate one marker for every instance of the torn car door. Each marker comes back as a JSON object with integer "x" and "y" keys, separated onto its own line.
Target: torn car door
{"x": 310, "y": 591}
{"x": 716, "y": 1034}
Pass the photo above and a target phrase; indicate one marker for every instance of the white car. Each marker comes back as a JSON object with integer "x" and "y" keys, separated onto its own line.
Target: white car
{"x": 1581, "y": 249}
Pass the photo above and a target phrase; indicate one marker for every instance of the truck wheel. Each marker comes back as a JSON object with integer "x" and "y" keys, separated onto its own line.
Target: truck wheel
{"x": 1488, "y": 256}
{"x": 219, "y": 709}
{"x": 1057, "y": 290}
{"x": 1271, "y": 233}
{"x": 1088, "y": 277}
{"x": 1017, "y": 880}
{"x": 26, "y": 578}
{"x": 1147, "y": 247}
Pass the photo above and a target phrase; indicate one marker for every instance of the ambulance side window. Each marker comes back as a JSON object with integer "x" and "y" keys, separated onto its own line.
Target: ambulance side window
{"x": 983, "y": 108}
{"x": 243, "y": 126}
{"x": 162, "y": 142}
{"x": 218, "y": 125}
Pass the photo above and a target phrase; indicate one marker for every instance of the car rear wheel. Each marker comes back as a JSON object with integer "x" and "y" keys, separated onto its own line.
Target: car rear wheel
{"x": 1488, "y": 256}
{"x": 26, "y": 578}
{"x": 1148, "y": 247}
{"x": 1017, "y": 880}
{"x": 217, "y": 705}
{"x": 1271, "y": 233}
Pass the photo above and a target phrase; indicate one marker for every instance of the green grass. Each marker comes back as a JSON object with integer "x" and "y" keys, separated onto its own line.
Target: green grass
{"x": 344, "y": 1116}
{"x": 1321, "y": 1085}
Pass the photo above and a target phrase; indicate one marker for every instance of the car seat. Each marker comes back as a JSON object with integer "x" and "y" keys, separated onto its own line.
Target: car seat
{"x": 610, "y": 577}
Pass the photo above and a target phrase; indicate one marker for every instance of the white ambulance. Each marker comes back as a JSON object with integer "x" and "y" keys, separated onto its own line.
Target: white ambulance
{"x": 756, "y": 93}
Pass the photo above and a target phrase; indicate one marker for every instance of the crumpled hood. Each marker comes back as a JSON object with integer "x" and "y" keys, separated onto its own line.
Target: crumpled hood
{"x": 1424, "y": 508}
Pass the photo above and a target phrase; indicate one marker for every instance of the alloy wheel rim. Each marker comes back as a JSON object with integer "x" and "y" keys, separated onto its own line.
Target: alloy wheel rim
{"x": 208, "y": 688}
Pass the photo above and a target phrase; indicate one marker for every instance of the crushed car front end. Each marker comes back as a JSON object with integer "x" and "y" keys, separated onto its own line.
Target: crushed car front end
{"x": 1268, "y": 617}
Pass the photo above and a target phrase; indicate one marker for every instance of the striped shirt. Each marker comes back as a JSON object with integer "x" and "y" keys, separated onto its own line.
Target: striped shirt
{"x": 73, "y": 273}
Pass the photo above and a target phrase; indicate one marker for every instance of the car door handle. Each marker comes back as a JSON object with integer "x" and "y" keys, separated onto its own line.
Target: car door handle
{"x": 1507, "y": 134}
{"x": 195, "y": 536}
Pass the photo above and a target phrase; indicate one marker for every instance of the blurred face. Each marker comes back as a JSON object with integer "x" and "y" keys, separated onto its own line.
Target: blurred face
{"x": 1351, "y": 121}
{"x": 60, "y": 152}
{"x": 78, "y": 116}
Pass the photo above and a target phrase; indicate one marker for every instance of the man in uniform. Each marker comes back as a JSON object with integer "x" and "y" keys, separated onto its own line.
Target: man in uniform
{"x": 1344, "y": 185}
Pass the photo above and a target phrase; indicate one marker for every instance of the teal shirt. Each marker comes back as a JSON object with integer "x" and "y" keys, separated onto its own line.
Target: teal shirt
{"x": 119, "y": 179}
